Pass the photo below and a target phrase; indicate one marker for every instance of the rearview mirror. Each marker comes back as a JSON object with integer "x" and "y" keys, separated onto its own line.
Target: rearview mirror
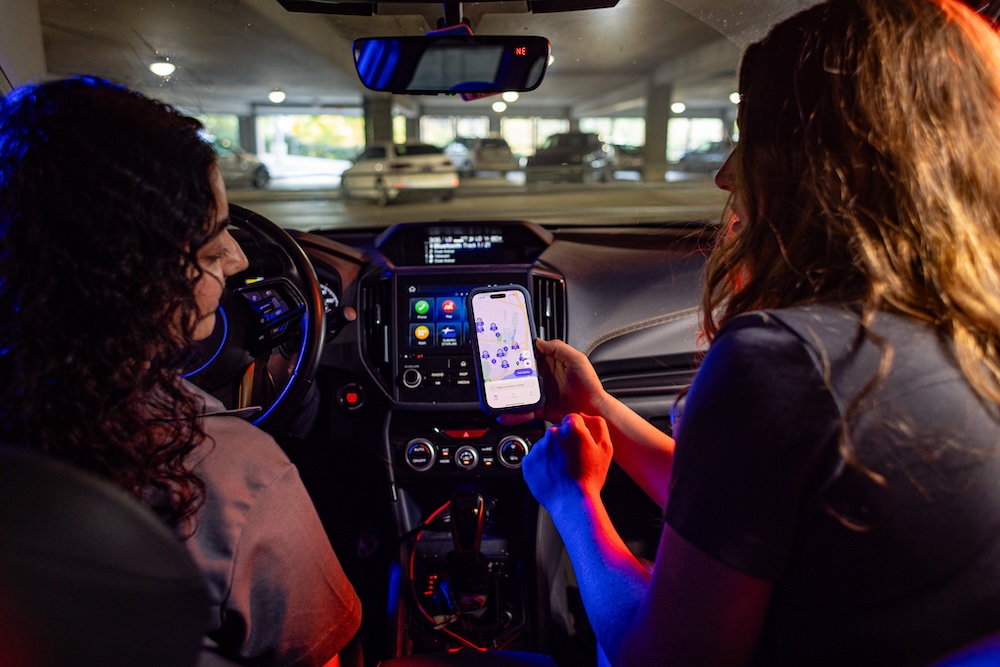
{"x": 451, "y": 64}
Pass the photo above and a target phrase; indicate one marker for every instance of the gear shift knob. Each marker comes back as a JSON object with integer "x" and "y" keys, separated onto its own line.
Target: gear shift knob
{"x": 467, "y": 516}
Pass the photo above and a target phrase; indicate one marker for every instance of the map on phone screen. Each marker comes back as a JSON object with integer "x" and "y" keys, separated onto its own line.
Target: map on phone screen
{"x": 505, "y": 349}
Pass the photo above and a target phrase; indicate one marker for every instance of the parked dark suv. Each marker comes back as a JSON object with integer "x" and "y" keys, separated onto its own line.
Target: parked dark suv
{"x": 579, "y": 157}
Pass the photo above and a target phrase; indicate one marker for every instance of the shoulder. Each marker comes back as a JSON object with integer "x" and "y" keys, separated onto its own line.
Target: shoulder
{"x": 234, "y": 447}
{"x": 759, "y": 370}
{"x": 814, "y": 326}
{"x": 761, "y": 341}
{"x": 774, "y": 342}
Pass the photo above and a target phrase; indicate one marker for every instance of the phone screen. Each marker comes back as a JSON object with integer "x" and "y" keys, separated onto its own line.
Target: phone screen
{"x": 503, "y": 339}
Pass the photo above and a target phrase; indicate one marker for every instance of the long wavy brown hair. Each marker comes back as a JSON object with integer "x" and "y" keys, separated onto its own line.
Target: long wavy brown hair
{"x": 869, "y": 164}
{"x": 104, "y": 202}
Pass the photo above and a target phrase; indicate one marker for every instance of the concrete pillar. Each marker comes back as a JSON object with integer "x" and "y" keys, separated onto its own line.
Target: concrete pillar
{"x": 248, "y": 134}
{"x": 728, "y": 122}
{"x": 413, "y": 128}
{"x": 378, "y": 118}
{"x": 657, "y": 114}
{"x": 22, "y": 58}
{"x": 495, "y": 123}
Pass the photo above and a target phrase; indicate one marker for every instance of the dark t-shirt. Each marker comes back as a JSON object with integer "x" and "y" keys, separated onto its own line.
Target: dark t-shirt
{"x": 892, "y": 561}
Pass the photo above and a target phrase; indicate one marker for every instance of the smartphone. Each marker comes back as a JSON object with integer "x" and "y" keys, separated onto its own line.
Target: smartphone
{"x": 503, "y": 341}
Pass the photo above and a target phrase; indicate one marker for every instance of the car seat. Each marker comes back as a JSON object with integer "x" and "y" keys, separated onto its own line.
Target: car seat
{"x": 88, "y": 575}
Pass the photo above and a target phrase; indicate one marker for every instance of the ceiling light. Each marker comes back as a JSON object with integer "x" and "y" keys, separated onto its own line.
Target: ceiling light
{"x": 678, "y": 107}
{"x": 162, "y": 68}
{"x": 510, "y": 96}
{"x": 277, "y": 96}
{"x": 734, "y": 98}
{"x": 499, "y": 107}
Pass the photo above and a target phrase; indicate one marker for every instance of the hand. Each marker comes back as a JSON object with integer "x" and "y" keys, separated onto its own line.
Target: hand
{"x": 570, "y": 461}
{"x": 571, "y": 384}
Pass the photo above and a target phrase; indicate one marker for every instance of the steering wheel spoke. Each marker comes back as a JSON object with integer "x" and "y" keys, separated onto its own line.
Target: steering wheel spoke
{"x": 261, "y": 317}
{"x": 279, "y": 306}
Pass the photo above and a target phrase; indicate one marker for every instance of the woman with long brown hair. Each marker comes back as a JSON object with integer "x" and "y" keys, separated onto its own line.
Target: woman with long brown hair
{"x": 833, "y": 494}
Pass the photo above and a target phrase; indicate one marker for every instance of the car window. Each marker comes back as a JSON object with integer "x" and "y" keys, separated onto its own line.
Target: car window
{"x": 281, "y": 85}
{"x": 373, "y": 153}
{"x": 415, "y": 149}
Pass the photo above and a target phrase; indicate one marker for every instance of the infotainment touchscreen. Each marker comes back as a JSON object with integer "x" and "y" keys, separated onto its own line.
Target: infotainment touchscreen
{"x": 434, "y": 350}
{"x": 435, "y": 317}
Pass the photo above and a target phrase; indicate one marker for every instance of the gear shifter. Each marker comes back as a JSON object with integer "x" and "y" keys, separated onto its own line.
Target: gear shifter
{"x": 468, "y": 568}
{"x": 467, "y": 516}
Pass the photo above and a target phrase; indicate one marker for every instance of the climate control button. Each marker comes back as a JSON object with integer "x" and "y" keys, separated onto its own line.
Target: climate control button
{"x": 466, "y": 457}
{"x": 511, "y": 451}
{"x": 420, "y": 454}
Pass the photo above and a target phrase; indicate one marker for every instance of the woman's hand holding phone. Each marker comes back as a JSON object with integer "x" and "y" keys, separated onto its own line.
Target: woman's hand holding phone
{"x": 571, "y": 384}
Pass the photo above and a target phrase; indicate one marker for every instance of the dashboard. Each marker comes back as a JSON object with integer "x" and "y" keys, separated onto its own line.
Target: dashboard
{"x": 400, "y": 436}
{"x": 627, "y": 298}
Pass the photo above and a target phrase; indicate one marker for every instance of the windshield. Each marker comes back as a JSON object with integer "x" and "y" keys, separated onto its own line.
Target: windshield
{"x": 280, "y": 87}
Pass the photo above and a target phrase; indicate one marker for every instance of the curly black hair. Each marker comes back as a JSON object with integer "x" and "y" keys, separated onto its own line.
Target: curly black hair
{"x": 105, "y": 199}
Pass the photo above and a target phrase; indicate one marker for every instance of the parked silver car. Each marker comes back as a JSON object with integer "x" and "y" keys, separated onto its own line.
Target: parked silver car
{"x": 474, "y": 154}
{"x": 240, "y": 168}
{"x": 386, "y": 172}
{"x": 707, "y": 158}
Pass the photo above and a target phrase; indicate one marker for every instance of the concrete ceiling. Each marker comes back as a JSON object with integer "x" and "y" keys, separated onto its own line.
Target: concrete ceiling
{"x": 231, "y": 53}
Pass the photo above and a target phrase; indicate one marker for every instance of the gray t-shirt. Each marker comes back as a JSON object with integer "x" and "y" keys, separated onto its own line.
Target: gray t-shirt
{"x": 759, "y": 482}
{"x": 279, "y": 595}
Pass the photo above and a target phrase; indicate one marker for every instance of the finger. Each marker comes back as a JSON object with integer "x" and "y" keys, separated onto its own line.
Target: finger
{"x": 573, "y": 428}
{"x": 560, "y": 350}
{"x": 597, "y": 426}
{"x": 543, "y": 346}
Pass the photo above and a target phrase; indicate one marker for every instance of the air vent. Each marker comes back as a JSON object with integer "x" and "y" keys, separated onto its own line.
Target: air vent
{"x": 549, "y": 295}
{"x": 376, "y": 306}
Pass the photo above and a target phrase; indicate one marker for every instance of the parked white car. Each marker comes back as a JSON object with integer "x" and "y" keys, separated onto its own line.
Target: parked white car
{"x": 387, "y": 172}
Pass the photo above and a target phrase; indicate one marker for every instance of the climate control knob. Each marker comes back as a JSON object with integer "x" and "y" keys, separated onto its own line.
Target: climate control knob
{"x": 466, "y": 457}
{"x": 511, "y": 451}
{"x": 420, "y": 454}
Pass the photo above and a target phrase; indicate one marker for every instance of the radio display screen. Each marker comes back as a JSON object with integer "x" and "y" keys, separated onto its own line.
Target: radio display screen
{"x": 448, "y": 245}
{"x": 455, "y": 248}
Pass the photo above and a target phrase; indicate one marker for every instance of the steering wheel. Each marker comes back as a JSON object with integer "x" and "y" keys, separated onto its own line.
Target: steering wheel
{"x": 264, "y": 310}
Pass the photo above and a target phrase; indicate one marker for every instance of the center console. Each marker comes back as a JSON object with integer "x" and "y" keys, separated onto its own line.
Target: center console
{"x": 464, "y": 515}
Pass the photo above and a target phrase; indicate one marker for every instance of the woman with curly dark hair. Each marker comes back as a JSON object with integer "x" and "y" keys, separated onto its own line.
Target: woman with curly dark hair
{"x": 114, "y": 251}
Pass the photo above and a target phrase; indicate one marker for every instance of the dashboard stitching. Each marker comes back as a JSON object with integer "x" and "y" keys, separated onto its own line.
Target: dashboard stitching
{"x": 639, "y": 326}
